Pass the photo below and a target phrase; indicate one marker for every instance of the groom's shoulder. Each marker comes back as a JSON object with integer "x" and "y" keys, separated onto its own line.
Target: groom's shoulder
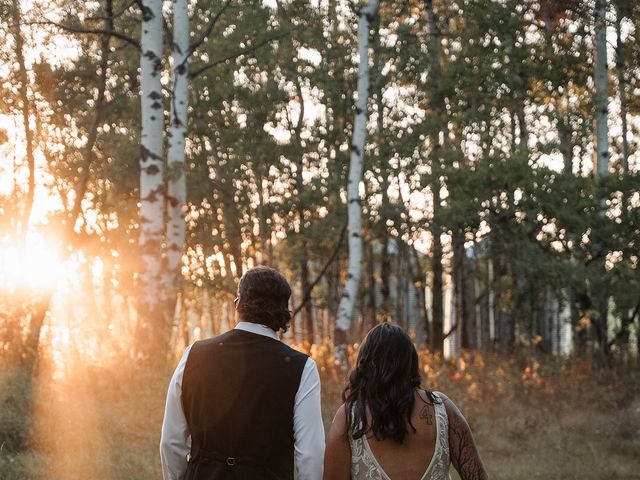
{"x": 236, "y": 335}
{"x": 213, "y": 342}
{"x": 290, "y": 351}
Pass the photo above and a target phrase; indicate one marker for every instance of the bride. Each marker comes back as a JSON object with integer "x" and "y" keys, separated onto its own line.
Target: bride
{"x": 390, "y": 428}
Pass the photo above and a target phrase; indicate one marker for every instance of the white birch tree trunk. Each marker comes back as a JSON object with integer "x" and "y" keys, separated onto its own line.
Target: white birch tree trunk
{"x": 602, "y": 95}
{"x": 151, "y": 315}
{"x": 176, "y": 176}
{"x": 348, "y": 299}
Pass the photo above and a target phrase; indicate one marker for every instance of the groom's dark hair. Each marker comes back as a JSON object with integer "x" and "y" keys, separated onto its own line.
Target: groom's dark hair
{"x": 263, "y": 297}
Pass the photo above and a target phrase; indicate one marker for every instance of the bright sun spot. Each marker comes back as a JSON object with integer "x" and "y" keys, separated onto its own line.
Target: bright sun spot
{"x": 39, "y": 269}
{"x": 35, "y": 265}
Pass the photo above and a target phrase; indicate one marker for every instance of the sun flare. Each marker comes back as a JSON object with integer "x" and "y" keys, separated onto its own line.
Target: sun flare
{"x": 36, "y": 265}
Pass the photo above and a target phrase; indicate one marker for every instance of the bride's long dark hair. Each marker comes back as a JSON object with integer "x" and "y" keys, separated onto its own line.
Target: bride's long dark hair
{"x": 384, "y": 380}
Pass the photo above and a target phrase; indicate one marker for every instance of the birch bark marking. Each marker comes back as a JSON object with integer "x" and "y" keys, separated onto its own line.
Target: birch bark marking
{"x": 151, "y": 181}
{"x": 348, "y": 299}
{"x": 602, "y": 95}
{"x": 177, "y": 181}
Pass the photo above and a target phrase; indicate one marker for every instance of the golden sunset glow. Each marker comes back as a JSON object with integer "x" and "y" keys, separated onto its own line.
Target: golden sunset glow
{"x": 36, "y": 265}
{"x": 449, "y": 193}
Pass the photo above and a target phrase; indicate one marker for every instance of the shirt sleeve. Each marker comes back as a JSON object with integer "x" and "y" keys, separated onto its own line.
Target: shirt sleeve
{"x": 175, "y": 442}
{"x": 307, "y": 425}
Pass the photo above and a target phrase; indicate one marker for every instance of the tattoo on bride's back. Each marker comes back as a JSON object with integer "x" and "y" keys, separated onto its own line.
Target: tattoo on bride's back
{"x": 425, "y": 415}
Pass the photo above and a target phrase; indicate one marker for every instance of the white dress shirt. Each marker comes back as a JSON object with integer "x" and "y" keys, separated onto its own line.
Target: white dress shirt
{"x": 308, "y": 430}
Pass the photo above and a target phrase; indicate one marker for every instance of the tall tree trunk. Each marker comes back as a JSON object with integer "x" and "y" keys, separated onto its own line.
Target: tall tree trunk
{"x": 176, "y": 174}
{"x": 519, "y": 96}
{"x": 307, "y": 309}
{"x": 152, "y": 314}
{"x": 385, "y": 272}
{"x": 264, "y": 232}
{"x": 401, "y": 286}
{"x": 458, "y": 278}
{"x": 472, "y": 303}
{"x": 348, "y": 299}
{"x": 385, "y": 207}
{"x": 25, "y": 107}
{"x": 566, "y": 143}
{"x": 438, "y": 105}
{"x": 620, "y": 66}
{"x": 437, "y": 301}
{"x": 601, "y": 95}
{"x": 520, "y": 115}
{"x": 420, "y": 285}
{"x": 370, "y": 317}
{"x": 601, "y": 74}
{"x": 230, "y": 213}
{"x": 638, "y": 340}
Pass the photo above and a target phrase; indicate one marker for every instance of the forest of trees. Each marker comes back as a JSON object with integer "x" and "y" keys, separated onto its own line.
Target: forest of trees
{"x": 486, "y": 148}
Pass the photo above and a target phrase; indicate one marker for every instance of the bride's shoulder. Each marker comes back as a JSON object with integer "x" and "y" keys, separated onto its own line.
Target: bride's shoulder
{"x": 339, "y": 424}
{"x": 449, "y": 406}
{"x": 341, "y": 412}
{"x": 340, "y": 417}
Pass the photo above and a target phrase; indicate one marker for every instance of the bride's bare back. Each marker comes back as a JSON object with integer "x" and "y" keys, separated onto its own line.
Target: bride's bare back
{"x": 442, "y": 434}
{"x": 411, "y": 458}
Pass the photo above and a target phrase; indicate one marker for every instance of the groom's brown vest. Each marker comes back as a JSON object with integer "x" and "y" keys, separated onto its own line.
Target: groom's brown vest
{"x": 238, "y": 394}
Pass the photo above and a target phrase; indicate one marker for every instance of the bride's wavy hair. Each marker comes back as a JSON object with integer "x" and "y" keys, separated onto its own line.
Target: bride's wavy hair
{"x": 384, "y": 381}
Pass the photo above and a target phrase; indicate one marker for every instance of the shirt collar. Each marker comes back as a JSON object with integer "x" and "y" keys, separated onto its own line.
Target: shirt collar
{"x": 258, "y": 329}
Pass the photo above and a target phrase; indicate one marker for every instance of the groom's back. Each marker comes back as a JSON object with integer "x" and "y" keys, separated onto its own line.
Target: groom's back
{"x": 238, "y": 394}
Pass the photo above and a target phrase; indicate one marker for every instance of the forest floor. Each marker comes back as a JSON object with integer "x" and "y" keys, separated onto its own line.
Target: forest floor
{"x": 531, "y": 418}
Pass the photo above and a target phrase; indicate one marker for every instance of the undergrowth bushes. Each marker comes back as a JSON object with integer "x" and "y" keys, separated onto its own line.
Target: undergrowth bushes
{"x": 532, "y": 416}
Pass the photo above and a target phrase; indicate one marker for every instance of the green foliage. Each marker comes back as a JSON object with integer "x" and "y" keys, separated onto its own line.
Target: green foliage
{"x": 511, "y": 98}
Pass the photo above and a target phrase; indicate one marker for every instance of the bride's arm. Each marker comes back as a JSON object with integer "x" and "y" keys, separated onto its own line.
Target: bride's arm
{"x": 462, "y": 447}
{"x": 337, "y": 457}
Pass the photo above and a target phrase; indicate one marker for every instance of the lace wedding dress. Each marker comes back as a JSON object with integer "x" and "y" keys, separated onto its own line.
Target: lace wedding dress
{"x": 364, "y": 465}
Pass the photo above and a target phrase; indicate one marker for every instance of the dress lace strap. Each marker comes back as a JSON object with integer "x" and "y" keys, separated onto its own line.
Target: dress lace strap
{"x": 439, "y": 468}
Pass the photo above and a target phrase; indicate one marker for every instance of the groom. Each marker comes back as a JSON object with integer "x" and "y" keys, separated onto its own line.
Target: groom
{"x": 243, "y": 405}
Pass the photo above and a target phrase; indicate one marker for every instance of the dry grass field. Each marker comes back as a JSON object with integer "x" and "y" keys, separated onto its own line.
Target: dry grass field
{"x": 551, "y": 420}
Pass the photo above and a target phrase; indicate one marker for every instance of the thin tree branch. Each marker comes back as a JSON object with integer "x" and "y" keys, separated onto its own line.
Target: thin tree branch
{"x": 307, "y": 294}
{"x": 88, "y": 31}
{"x": 253, "y": 48}
{"x": 116, "y": 14}
{"x": 452, "y": 330}
{"x": 209, "y": 29}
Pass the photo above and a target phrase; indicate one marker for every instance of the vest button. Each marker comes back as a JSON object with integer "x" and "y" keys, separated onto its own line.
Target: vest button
{"x": 231, "y": 461}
